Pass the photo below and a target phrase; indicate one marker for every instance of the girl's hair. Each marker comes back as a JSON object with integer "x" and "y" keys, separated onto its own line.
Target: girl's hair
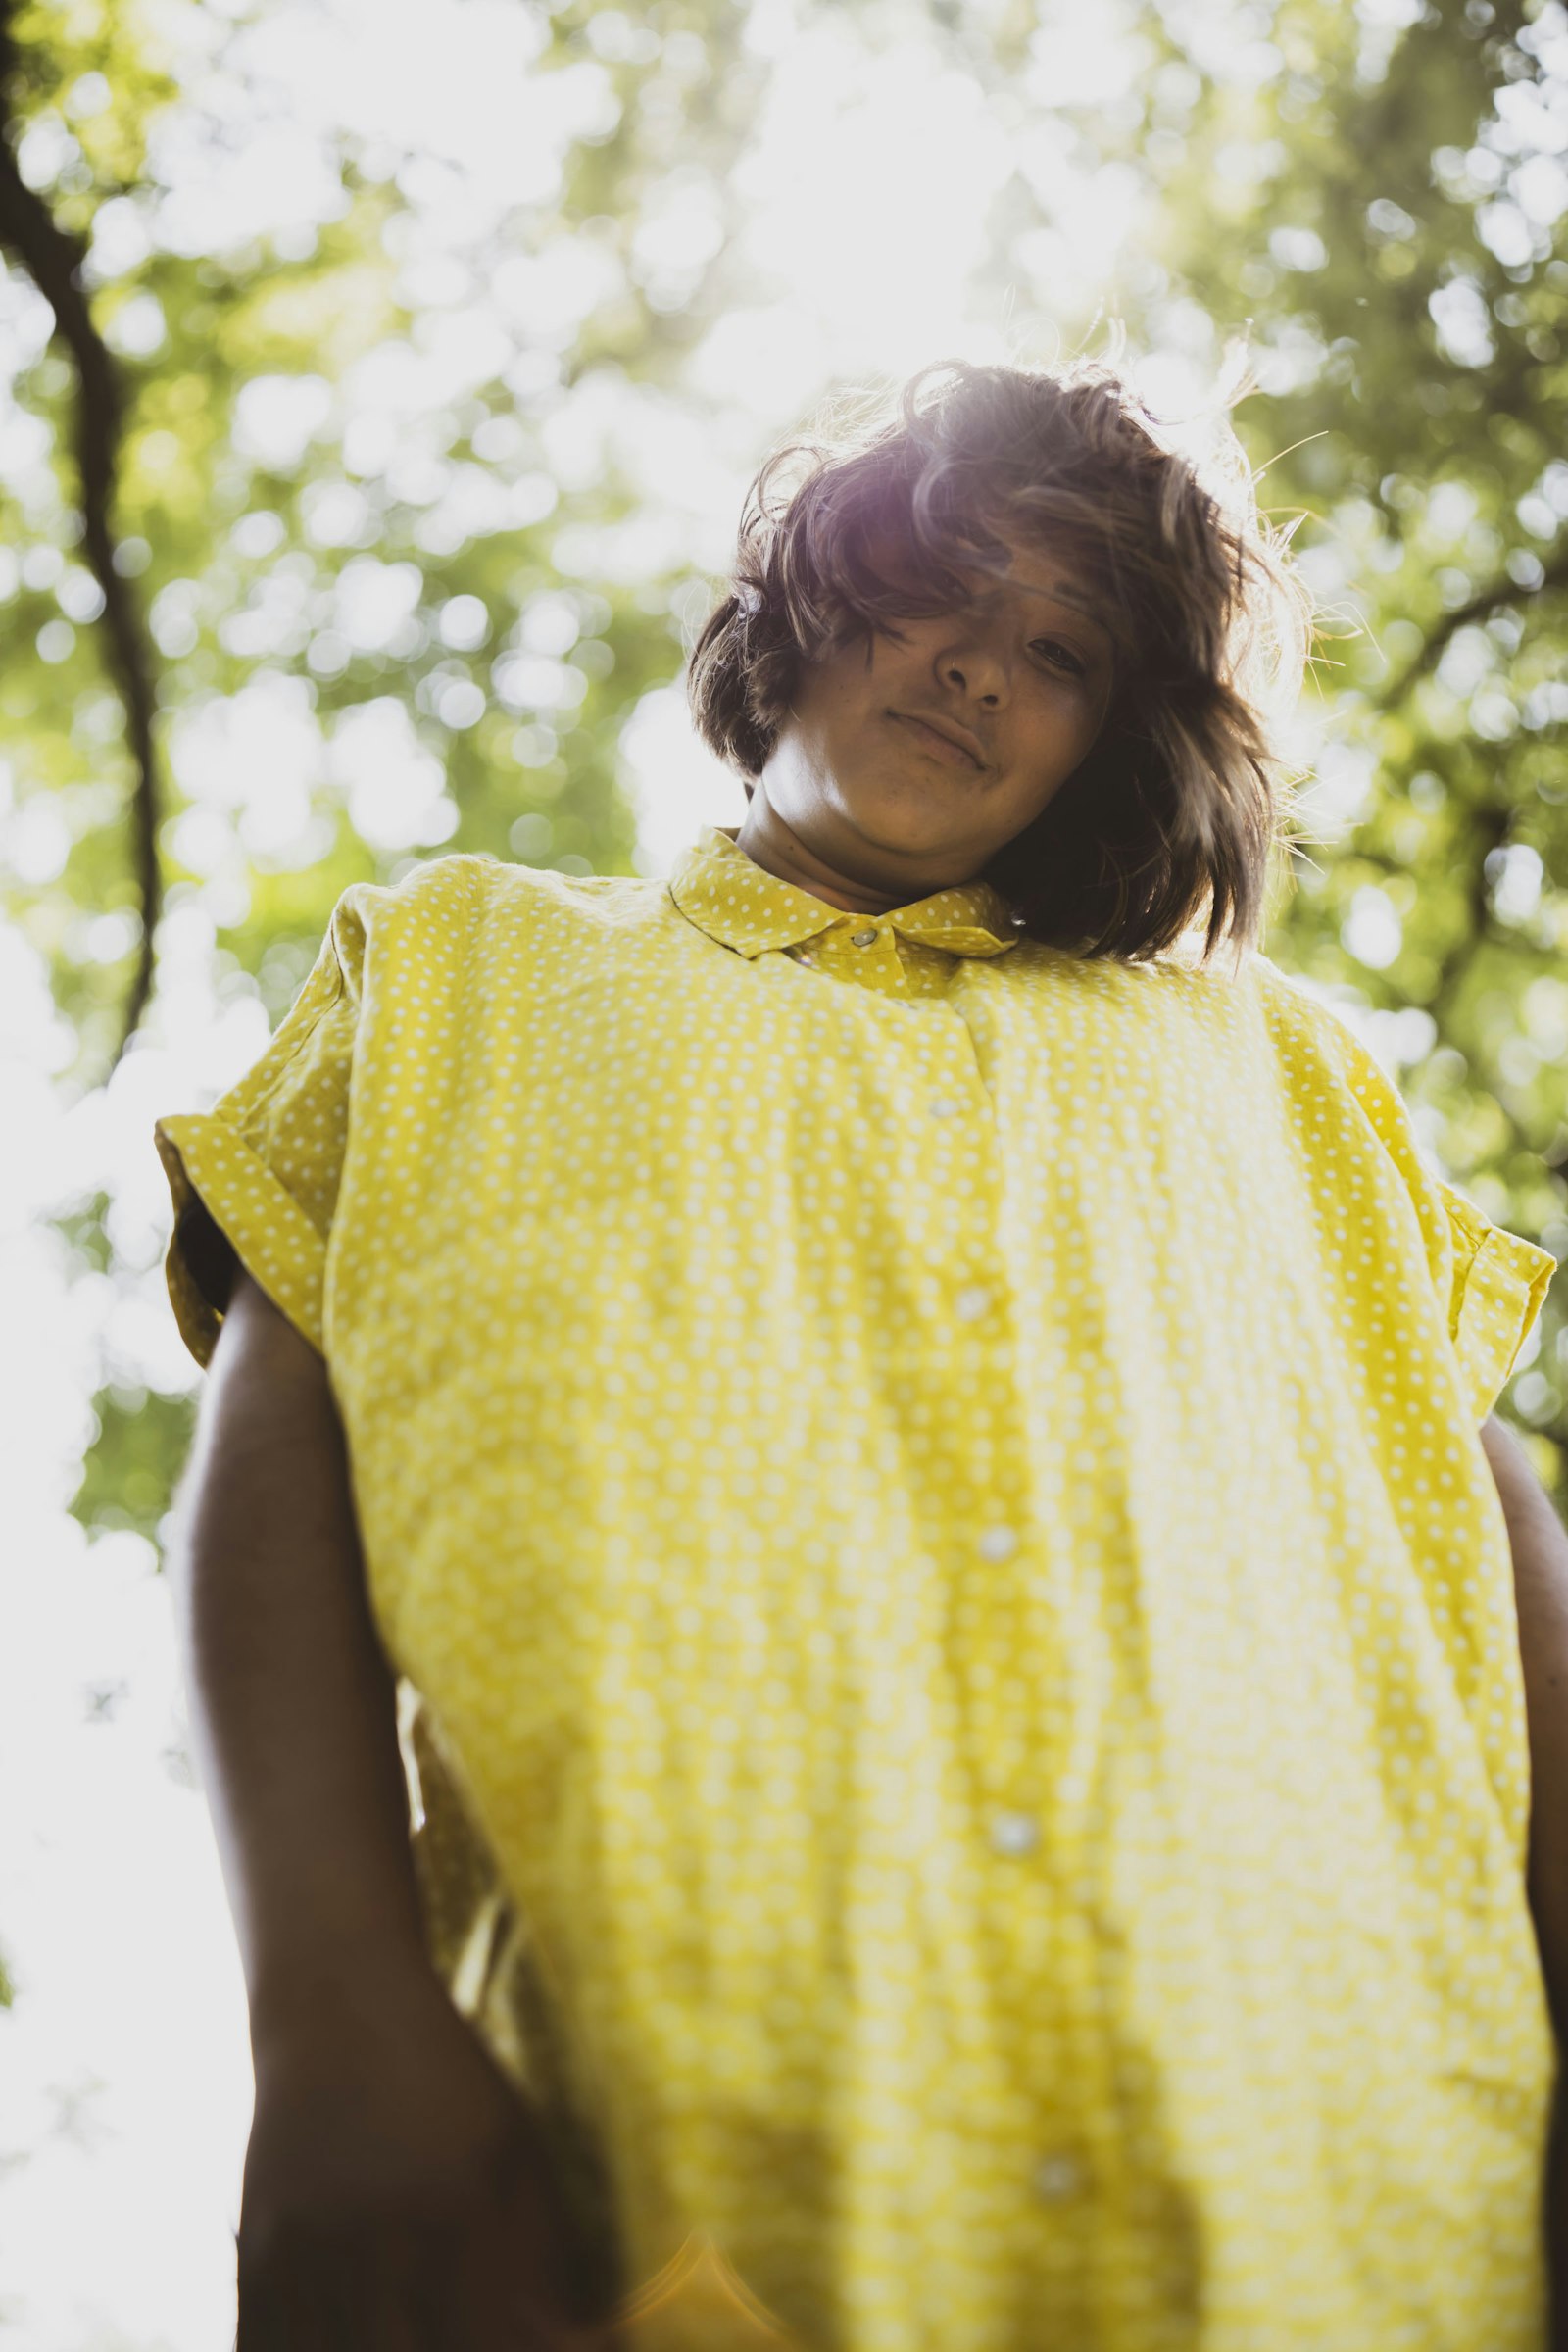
{"x": 1177, "y": 813}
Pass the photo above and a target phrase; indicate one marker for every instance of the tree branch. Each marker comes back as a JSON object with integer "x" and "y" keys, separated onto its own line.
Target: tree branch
{"x": 1480, "y": 607}
{"x": 53, "y": 258}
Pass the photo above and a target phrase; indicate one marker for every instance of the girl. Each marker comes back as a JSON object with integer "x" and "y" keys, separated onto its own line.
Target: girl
{"x": 911, "y": 1438}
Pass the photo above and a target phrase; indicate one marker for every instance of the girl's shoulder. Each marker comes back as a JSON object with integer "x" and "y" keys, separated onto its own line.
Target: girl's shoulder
{"x": 1310, "y": 1016}
{"x": 1312, "y": 1032}
{"x": 439, "y": 903}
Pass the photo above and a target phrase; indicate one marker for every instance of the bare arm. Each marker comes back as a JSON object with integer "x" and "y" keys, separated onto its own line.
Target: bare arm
{"x": 292, "y": 1703}
{"x": 393, "y": 2187}
{"x": 1540, "y": 1546}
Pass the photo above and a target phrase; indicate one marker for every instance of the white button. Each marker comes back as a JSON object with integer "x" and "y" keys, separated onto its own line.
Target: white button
{"x": 997, "y": 1542}
{"x": 864, "y": 939}
{"x": 944, "y": 1107}
{"x": 971, "y": 1304}
{"x": 1056, "y": 2178}
{"x": 1015, "y": 1832}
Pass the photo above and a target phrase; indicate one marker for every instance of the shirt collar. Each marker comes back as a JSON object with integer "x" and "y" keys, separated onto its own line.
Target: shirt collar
{"x": 734, "y": 900}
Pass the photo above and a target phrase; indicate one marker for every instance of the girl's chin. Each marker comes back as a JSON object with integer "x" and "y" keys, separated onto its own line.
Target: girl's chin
{"x": 898, "y": 817}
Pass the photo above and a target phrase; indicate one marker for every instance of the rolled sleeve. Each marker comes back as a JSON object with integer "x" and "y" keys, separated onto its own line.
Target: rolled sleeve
{"x": 264, "y": 1165}
{"x": 1500, "y": 1283}
{"x": 1489, "y": 1282}
{"x": 210, "y": 1162}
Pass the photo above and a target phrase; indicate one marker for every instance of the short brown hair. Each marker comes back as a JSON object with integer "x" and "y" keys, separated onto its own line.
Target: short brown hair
{"x": 1177, "y": 813}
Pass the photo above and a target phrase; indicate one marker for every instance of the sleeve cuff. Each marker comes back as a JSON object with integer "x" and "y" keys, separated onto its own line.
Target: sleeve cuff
{"x": 1500, "y": 1282}
{"x": 205, "y": 1158}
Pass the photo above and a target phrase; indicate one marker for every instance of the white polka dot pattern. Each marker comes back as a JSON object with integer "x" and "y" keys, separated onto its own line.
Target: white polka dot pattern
{"x": 927, "y": 1496}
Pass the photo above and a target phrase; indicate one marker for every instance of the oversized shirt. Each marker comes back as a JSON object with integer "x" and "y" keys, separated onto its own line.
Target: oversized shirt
{"x": 957, "y": 1635}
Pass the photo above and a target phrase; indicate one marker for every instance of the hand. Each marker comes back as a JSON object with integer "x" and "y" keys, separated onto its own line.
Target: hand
{"x": 397, "y": 2195}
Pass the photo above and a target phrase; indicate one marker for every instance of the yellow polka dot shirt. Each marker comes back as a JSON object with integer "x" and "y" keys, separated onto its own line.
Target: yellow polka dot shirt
{"x": 957, "y": 1635}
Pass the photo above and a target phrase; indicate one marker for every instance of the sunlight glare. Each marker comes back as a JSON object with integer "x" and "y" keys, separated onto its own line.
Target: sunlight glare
{"x": 868, "y": 187}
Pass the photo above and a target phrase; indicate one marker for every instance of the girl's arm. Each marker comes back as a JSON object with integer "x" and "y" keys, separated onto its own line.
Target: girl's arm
{"x": 391, "y": 2171}
{"x": 1540, "y": 1546}
{"x": 293, "y": 1706}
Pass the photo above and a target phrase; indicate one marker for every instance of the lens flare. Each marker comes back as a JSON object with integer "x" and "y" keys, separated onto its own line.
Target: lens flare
{"x": 697, "y": 2303}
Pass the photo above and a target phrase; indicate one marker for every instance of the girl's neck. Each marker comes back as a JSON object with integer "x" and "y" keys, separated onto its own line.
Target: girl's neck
{"x": 769, "y": 842}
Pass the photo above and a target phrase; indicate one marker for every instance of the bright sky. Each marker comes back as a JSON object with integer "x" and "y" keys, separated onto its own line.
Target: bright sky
{"x": 124, "y": 2076}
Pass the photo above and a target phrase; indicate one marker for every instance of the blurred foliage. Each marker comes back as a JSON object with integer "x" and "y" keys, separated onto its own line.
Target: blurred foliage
{"x": 125, "y": 1480}
{"x": 445, "y": 601}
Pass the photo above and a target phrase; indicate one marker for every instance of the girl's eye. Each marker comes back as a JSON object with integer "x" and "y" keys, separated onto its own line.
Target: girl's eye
{"x": 1061, "y": 655}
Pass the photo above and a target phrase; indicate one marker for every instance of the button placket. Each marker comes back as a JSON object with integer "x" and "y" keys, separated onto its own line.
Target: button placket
{"x": 1010, "y": 1832}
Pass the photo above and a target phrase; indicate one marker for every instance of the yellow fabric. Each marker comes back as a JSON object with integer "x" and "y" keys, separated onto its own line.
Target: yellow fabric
{"x": 955, "y": 1625}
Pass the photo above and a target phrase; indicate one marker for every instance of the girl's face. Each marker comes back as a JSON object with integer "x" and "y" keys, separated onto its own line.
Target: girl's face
{"x": 907, "y": 764}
